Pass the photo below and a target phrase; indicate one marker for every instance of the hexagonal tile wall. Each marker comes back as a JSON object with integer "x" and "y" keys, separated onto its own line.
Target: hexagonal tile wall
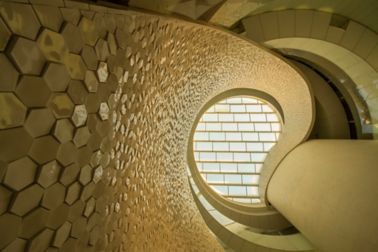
{"x": 86, "y": 129}
{"x": 21, "y": 19}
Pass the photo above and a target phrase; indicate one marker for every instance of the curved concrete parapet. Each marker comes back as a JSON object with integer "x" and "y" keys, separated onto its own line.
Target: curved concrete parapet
{"x": 242, "y": 238}
{"x": 351, "y": 47}
{"x": 328, "y": 189}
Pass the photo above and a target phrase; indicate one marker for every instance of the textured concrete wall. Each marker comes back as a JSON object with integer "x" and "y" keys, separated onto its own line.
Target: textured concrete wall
{"x": 96, "y": 106}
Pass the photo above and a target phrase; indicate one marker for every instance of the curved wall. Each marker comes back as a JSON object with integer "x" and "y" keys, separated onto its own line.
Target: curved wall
{"x": 328, "y": 189}
{"x": 96, "y": 110}
{"x": 349, "y": 45}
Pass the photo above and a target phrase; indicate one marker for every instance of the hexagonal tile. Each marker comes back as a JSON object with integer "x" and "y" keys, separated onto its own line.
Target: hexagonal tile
{"x": 21, "y": 19}
{"x": 52, "y": 46}
{"x": 93, "y": 103}
{"x": 56, "y": 77}
{"x": 84, "y": 155}
{"x": 12, "y": 112}
{"x": 102, "y": 130}
{"x": 39, "y": 122}
{"x": 49, "y": 174}
{"x": 49, "y": 16}
{"x": 70, "y": 244}
{"x": 5, "y": 197}
{"x": 121, "y": 37}
{"x": 102, "y": 49}
{"x": 97, "y": 176}
{"x": 12, "y": 230}
{"x": 112, "y": 44}
{"x": 61, "y": 105}
{"x": 69, "y": 174}
{"x": 64, "y": 130}
{"x": 44, "y": 149}
{"x": 80, "y": 115}
{"x": 54, "y": 196}
{"x": 27, "y": 56}
{"x": 18, "y": 245}
{"x": 94, "y": 235}
{"x": 73, "y": 193}
{"x": 62, "y": 234}
{"x": 88, "y": 191}
{"x": 58, "y": 216}
{"x": 78, "y": 227}
{"x": 90, "y": 33}
{"x": 67, "y": 153}
{"x": 34, "y": 222}
{"x": 33, "y": 91}
{"x": 104, "y": 111}
{"x": 27, "y": 200}
{"x": 102, "y": 72}
{"x": 89, "y": 208}
{"x": 71, "y": 15}
{"x": 90, "y": 58}
{"x": 20, "y": 173}
{"x": 85, "y": 175}
{"x": 96, "y": 158}
{"x": 92, "y": 122}
{"x": 4, "y": 35}
{"x": 15, "y": 143}
{"x": 76, "y": 210}
{"x": 73, "y": 38}
{"x": 82, "y": 136}
{"x": 77, "y": 91}
{"x": 75, "y": 66}
{"x": 8, "y": 81}
{"x": 42, "y": 241}
{"x": 91, "y": 81}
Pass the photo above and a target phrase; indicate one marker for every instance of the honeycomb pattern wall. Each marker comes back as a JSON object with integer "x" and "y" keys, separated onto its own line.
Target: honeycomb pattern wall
{"x": 96, "y": 105}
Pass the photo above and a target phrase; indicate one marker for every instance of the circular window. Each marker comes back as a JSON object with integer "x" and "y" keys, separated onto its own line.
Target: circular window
{"x": 230, "y": 144}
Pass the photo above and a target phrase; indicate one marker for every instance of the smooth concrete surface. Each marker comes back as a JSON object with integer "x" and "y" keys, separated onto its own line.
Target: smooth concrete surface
{"x": 244, "y": 238}
{"x": 328, "y": 190}
{"x": 330, "y": 121}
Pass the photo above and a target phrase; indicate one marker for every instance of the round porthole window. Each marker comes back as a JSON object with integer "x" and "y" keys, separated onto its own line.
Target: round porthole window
{"x": 231, "y": 142}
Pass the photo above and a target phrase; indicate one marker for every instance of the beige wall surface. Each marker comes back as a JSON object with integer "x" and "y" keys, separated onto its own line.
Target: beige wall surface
{"x": 352, "y": 47}
{"x": 92, "y": 123}
{"x": 328, "y": 189}
{"x": 96, "y": 109}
